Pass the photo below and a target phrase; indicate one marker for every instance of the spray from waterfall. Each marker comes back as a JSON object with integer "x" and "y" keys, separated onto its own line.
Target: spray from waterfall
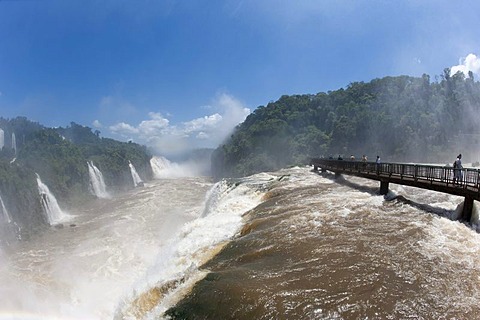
{"x": 97, "y": 183}
{"x": 6, "y": 215}
{"x": 2, "y": 139}
{"x": 164, "y": 169}
{"x": 137, "y": 181}
{"x": 53, "y": 213}
{"x": 160, "y": 167}
{"x": 14, "y": 143}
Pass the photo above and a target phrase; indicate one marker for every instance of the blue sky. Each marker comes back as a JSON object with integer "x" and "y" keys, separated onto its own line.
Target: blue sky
{"x": 181, "y": 74}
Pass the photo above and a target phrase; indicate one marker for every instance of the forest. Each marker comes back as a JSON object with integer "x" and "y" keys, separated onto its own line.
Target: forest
{"x": 59, "y": 156}
{"x": 402, "y": 118}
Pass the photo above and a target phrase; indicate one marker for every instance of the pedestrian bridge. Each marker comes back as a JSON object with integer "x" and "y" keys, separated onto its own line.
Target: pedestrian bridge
{"x": 436, "y": 178}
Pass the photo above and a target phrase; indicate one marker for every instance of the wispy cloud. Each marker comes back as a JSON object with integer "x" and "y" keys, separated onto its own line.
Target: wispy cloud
{"x": 97, "y": 124}
{"x": 470, "y": 63}
{"x": 124, "y": 129}
{"x": 169, "y": 139}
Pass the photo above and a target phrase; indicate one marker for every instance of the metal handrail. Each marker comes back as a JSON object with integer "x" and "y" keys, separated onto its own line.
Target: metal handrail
{"x": 417, "y": 172}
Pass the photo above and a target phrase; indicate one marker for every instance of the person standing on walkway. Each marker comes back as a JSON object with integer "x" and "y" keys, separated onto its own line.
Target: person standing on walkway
{"x": 457, "y": 167}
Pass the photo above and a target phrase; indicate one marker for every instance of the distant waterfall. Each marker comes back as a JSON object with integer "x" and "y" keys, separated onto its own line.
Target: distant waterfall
{"x": 162, "y": 168}
{"x": 2, "y": 139}
{"x": 54, "y": 214}
{"x": 159, "y": 166}
{"x": 97, "y": 184}
{"x": 6, "y": 215}
{"x": 14, "y": 143}
{"x": 136, "y": 178}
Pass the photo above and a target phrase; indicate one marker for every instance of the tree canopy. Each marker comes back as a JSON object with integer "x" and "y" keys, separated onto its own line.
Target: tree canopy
{"x": 400, "y": 118}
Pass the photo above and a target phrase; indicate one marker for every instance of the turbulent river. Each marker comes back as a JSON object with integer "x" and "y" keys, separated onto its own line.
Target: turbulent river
{"x": 291, "y": 244}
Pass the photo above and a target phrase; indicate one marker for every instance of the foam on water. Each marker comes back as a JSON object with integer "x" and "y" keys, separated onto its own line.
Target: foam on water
{"x": 177, "y": 267}
{"x": 81, "y": 272}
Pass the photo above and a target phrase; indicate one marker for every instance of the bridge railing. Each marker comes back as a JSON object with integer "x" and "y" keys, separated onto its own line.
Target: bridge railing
{"x": 468, "y": 177}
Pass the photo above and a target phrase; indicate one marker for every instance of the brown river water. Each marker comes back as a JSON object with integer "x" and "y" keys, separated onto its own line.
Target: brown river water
{"x": 291, "y": 244}
{"x": 318, "y": 249}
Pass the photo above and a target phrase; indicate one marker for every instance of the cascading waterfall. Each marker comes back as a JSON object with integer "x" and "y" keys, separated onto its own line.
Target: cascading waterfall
{"x": 54, "y": 214}
{"x": 159, "y": 165}
{"x": 6, "y": 215}
{"x": 137, "y": 181}
{"x": 163, "y": 168}
{"x": 97, "y": 183}
{"x": 14, "y": 143}
{"x": 2, "y": 138}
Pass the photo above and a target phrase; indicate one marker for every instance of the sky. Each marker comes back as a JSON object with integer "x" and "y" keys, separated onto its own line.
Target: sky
{"x": 177, "y": 75}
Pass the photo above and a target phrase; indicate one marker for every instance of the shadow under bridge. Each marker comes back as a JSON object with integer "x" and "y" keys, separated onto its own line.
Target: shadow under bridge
{"x": 460, "y": 182}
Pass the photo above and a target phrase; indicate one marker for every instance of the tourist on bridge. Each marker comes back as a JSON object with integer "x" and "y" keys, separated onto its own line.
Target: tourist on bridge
{"x": 377, "y": 164}
{"x": 457, "y": 170}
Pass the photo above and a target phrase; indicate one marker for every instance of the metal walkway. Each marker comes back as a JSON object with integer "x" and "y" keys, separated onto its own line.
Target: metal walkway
{"x": 436, "y": 178}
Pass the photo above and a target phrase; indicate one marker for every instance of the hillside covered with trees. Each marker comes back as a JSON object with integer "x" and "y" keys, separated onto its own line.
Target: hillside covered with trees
{"x": 59, "y": 156}
{"x": 399, "y": 118}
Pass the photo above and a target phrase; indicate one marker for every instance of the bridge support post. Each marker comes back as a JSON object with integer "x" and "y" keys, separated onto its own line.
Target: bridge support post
{"x": 324, "y": 170}
{"x": 337, "y": 175}
{"x": 467, "y": 209}
{"x": 315, "y": 168}
{"x": 383, "y": 187}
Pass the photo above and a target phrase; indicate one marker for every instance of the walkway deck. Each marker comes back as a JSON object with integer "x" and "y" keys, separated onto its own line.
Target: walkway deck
{"x": 437, "y": 178}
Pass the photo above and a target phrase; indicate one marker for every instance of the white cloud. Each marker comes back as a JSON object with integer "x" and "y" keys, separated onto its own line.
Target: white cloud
{"x": 155, "y": 126}
{"x": 124, "y": 129}
{"x": 167, "y": 139}
{"x": 97, "y": 124}
{"x": 469, "y": 63}
{"x": 205, "y": 123}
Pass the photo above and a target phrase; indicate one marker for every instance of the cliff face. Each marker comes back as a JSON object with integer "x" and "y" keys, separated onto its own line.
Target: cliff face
{"x": 59, "y": 156}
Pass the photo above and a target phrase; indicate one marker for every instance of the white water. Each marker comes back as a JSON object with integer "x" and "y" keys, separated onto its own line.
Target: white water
{"x": 14, "y": 143}
{"x": 53, "y": 213}
{"x": 123, "y": 247}
{"x": 83, "y": 272}
{"x": 6, "y": 215}
{"x": 196, "y": 242}
{"x": 2, "y": 139}
{"x": 136, "y": 178}
{"x": 163, "y": 168}
{"x": 160, "y": 167}
{"x": 97, "y": 183}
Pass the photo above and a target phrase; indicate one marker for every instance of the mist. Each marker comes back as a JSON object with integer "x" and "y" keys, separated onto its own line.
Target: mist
{"x": 178, "y": 141}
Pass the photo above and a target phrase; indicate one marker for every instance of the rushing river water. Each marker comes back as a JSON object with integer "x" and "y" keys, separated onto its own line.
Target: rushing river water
{"x": 292, "y": 244}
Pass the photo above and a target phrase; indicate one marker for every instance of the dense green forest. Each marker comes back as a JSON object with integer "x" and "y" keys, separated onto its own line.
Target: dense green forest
{"x": 399, "y": 118}
{"x": 59, "y": 156}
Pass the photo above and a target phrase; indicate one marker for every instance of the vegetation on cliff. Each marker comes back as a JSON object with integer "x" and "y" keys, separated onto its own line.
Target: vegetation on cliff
{"x": 59, "y": 156}
{"x": 399, "y": 118}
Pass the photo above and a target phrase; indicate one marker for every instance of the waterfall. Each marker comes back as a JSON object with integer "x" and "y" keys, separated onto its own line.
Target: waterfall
{"x": 4, "y": 210}
{"x": 14, "y": 143}
{"x": 136, "y": 178}
{"x": 54, "y": 214}
{"x": 2, "y": 139}
{"x": 159, "y": 166}
{"x": 97, "y": 184}
{"x": 162, "y": 168}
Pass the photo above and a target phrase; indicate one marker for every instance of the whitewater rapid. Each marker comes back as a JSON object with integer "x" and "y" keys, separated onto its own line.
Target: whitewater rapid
{"x": 83, "y": 269}
{"x": 291, "y": 244}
